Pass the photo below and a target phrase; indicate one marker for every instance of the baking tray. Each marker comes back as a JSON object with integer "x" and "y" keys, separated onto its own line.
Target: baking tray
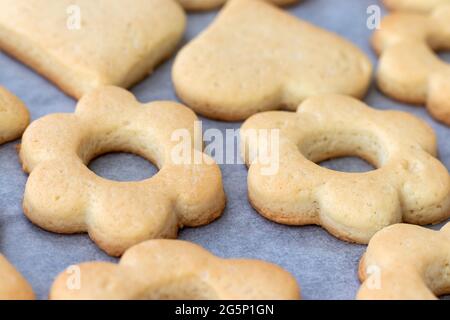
{"x": 325, "y": 267}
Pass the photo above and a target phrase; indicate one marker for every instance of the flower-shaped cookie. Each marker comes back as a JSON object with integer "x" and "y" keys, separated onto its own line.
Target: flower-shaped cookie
{"x": 14, "y": 116}
{"x": 210, "y": 4}
{"x": 287, "y": 186}
{"x": 256, "y": 57}
{"x": 12, "y": 285}
{"x": 173, "y": 269}
{"x": 83, "y": 44}
{"x": 405, "y": 262}
{"x": 62, "y": 195}
{"x": 409, "y": 70}
{"x": 421, "y": 6}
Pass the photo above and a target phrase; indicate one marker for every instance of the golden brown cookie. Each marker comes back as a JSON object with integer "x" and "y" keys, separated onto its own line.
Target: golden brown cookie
{"x": 83, "y": 44}
{"x": 420, "y": 6}
{"x": 409, "y": 70}
{"x": 172, "y": 269}
{"x": 14, "y": 116}
{"x": 62, "y": 195}
{"x": 210, "y": 4}
{"x": 405, "y": 262}
{"x": 255, "y": 57}
{"x": 286, "y": 185}
{"x": 12, "y": 285}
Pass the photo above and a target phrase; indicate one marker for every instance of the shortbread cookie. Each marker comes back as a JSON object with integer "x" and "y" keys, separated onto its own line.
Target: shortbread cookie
{"x": 62, "y": 195}
{"x": 210, "y": 4}
{"x": 83, "y": 44}
{"x": 405, "y": 262}
{"x": 409, "y": 70}
{"x": 12, "y": 284}
{"x": 173, "y": 269}
{"x": 420, "y": 6}
{"x": 14, "y": 116}
{"x": 287, "y": 186}
{"x": 256, "y": 57}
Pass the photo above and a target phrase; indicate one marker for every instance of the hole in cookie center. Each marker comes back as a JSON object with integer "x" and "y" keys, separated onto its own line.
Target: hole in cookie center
{"x": 345, "y": 151}
{"x": 347, "y": 164}
{"x": 122, "y": 167}
{"x": 444, "y": 56}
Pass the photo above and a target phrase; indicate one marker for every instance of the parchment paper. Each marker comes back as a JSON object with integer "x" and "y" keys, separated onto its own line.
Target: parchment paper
{"x": 325, "y": 267}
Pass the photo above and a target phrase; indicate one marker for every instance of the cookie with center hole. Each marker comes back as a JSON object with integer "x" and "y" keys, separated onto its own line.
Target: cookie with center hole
{"x": 286, "y": 185}
{"x": 179, "y": 270}
{"x": 409, "y": 70}
{"x": 62, "y": 195}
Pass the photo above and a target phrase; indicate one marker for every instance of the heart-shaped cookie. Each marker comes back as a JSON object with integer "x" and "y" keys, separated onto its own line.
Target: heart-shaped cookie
{"x": 256, "y": 57}
{"x": 83, "y": 44}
